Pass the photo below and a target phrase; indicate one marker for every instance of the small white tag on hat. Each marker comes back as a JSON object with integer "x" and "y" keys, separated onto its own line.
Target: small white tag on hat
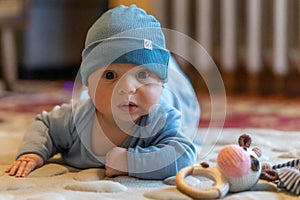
{"x": 147, "y": 44}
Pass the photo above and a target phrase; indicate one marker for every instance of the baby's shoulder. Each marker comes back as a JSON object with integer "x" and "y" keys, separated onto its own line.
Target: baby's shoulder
{"x": 167, "y": 108}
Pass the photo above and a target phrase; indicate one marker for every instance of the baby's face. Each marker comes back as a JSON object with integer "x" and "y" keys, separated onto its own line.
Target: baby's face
{"x": 124, "y": 91}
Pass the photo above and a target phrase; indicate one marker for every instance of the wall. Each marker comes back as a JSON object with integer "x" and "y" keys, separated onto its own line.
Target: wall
{"x": 145, "y": 4}
{"x": 56, "y": 32}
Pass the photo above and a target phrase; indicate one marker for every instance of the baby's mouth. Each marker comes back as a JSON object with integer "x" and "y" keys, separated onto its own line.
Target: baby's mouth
{"x": 128, "y": 107}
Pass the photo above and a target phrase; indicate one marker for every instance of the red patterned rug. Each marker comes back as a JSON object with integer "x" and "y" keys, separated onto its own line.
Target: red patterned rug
{"x": 248, "y": 111}
{"x": 18, "y": 109}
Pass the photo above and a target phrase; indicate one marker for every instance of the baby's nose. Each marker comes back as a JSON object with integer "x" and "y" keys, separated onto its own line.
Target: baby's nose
{"x": 127, "y": 85}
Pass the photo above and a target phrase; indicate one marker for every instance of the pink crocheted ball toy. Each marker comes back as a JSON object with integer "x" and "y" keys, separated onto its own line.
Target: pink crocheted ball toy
{"x": 240, "y": 166}
{"x": 234, "y": 161}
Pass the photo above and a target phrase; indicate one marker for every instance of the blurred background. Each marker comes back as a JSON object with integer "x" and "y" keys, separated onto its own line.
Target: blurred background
{"x": 255, "y": 44}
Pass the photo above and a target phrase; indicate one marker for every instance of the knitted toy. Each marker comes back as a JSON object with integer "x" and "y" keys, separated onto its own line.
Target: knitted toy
{"x": 238, "y": 169}
{"x": 286, "y": 175}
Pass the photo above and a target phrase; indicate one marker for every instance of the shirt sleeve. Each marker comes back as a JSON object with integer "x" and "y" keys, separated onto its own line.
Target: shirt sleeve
{"x": 163, "y": 154}
{"x": 50, "y": 133}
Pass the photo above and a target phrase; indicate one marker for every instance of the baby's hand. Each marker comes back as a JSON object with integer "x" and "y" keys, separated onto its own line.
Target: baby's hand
{"x": 116, "y": 162}
{"x": 25, "y": 164}
{"x": 111, "y": 172}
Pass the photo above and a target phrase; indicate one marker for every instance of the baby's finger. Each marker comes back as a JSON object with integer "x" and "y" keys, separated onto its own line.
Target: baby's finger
{"x": 9, "y": 168}
{"x": 21, "y": 169}
{"x": 31, "y": 165}
{"x": 13, "y": 168}
{"x": 109, "y": 172}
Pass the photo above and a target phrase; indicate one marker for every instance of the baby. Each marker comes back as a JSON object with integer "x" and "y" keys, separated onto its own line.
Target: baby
{"x": 140, "y": 114}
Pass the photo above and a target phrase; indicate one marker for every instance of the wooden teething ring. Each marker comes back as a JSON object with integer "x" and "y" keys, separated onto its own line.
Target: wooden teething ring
{"x": 219, "y": 189}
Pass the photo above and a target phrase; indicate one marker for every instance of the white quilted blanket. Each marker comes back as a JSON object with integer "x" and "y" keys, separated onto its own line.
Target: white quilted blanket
{"x": 56, "y": 181}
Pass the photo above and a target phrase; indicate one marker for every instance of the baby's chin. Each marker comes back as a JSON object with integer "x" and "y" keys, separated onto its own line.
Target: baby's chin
{"x": 126, "y": 121}
{"x": 129, "y": 116}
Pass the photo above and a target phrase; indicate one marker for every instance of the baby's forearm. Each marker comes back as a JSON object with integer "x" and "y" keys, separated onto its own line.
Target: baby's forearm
{"x": 160, "y": 163}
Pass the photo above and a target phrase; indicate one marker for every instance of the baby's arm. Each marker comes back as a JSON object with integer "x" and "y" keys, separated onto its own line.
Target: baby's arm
{"x": 160, "y": 161}
{"x": 25, "y": 164}
{"x": 38, "y": 144}
{"x": 164, "y": 153}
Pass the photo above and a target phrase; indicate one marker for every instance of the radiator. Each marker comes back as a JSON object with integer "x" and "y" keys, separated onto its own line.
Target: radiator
{"x": 255, "y": 43}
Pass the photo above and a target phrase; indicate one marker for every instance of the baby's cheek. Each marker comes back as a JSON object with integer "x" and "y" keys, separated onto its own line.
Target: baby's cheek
{"x": 152, "y": 99}
{"x": 103, "y": 102}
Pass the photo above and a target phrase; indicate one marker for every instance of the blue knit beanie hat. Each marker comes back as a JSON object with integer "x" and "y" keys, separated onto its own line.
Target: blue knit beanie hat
{"x": 125, "y": 35}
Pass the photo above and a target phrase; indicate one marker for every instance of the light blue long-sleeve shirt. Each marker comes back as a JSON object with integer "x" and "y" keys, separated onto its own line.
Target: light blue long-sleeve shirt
{"x": 156, "y": 147}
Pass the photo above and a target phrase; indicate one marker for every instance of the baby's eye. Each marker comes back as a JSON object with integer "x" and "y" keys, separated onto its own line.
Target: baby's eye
{"x": 110, "y": 75}
{"x": 142, "y": 75}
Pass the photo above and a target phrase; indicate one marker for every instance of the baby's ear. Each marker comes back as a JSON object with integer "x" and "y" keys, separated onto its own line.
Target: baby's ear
{"x": 257, "y": 151}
